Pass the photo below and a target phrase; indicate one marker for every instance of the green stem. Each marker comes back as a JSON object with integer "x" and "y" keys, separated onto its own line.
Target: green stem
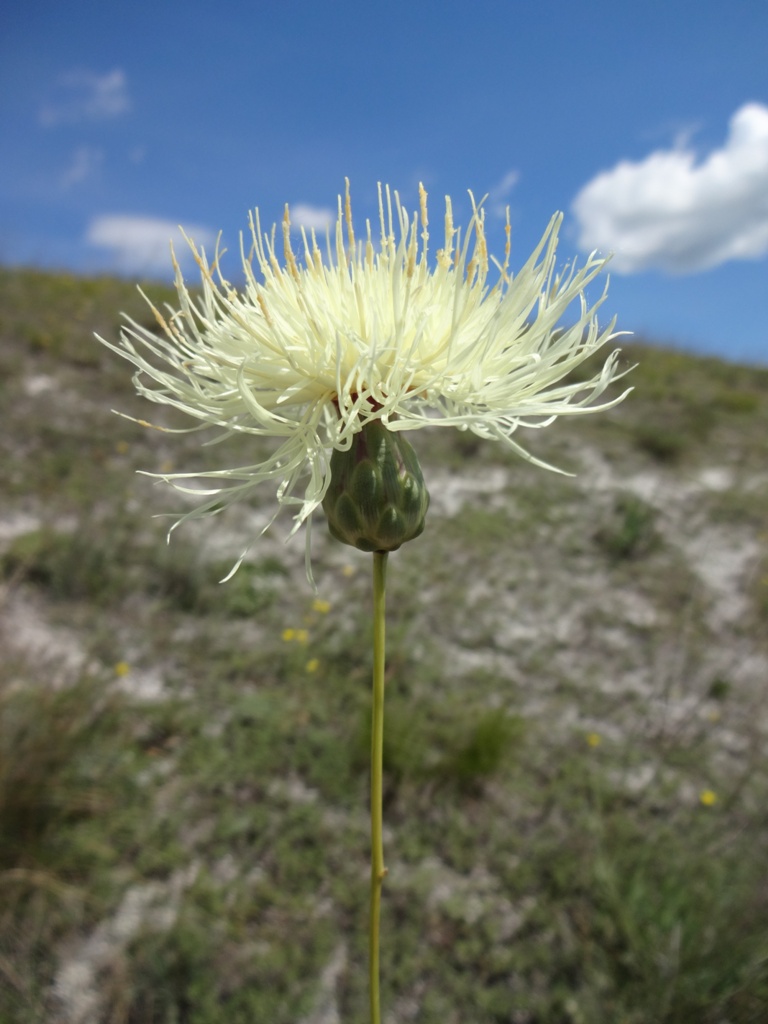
{"x": 378, "y": 871}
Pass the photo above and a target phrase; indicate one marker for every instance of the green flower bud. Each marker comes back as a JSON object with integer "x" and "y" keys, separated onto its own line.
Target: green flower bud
{"x": 377, "y": 498}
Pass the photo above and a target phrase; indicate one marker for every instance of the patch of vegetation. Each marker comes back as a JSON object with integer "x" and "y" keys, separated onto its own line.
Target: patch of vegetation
{"x": 479, "y": 753}
{"x": 630, "y": 532}
{"x": 69, "y": 811}
{"x": 574, "y": 826}
{"x": 665, "y": 444}
{"x": 67, "y": 565}
{"x": 759, "y": 590}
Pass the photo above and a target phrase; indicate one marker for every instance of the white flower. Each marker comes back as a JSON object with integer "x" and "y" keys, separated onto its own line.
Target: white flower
{"x": 316, "y": 346}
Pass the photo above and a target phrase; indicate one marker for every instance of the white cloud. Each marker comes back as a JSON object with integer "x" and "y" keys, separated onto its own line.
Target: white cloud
{"x": 313, "y": 218}
{"x": 499, "y": 193}
{"x": 671, "y": 213}
{"x": 83, "y": 95}
{"x": 86, "y": 162}
{"x": 142, "y": 244}
{"x": 503, "y": 187}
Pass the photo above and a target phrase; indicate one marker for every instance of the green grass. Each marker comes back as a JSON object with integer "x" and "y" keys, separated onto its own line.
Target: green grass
{"x": 630, "y": 532}
{"x": 564, "y": 683}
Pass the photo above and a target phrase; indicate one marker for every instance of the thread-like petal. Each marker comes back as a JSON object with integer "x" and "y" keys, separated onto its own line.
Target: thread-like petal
{"x": 310, "y": 351}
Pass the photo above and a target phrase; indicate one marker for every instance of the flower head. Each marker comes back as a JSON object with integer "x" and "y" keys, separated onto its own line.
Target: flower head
{"x": 316, "y": 346}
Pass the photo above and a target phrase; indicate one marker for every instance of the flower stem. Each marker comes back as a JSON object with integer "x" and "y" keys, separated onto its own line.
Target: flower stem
{"x": 378, "y": 871}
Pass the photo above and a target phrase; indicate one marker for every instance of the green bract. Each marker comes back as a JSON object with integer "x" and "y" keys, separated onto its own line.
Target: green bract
{"x": 377, "y": 498}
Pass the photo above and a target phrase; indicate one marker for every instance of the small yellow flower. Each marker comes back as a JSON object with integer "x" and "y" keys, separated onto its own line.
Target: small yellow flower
{"x": 594, "y": 739}
{"x": 312, "y": 665}
{"x": 299, "y": 636}
{"x": 122, "y": 447}
{"x": 708, "y": 797}
{"x": 122, "y": 668}
{"x": 348, "y": 570}
{"x": 321, "y": 606}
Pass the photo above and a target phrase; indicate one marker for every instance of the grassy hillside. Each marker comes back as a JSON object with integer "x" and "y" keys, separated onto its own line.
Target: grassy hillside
{"x": 576, "y": 793}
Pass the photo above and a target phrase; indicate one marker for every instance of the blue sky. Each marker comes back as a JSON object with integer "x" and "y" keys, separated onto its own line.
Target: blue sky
{"x": 646, "y": 123}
